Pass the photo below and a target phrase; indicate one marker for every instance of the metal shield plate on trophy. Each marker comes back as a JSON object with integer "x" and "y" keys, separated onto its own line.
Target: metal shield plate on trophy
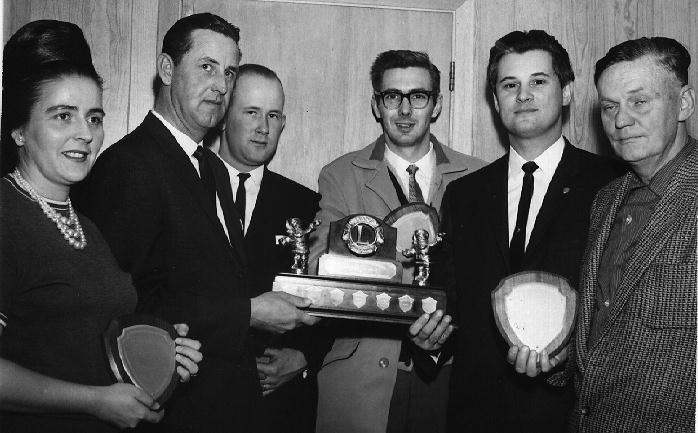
{"x": 535, "y": 309}
{"x": 141, "y": 351}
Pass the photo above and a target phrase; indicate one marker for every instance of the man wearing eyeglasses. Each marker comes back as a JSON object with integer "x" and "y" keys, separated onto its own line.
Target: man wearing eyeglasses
{"x": 369, "y": 382}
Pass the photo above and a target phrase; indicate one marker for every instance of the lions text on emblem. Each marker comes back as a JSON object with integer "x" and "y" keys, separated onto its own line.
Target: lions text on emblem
{"x": 359, "y": 299}
{"x": 429, "y": 305}
{"x": 383, "y": 301}
{"x": 405, "y": 302}
{"x": 363, "y": 235}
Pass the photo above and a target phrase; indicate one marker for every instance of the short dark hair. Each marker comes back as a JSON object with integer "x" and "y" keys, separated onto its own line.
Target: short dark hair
{"x": 520, "y": 42}
{"x": 177, "y": 40}
{"x": 401, "y": 59}
{"x": 667, "y": 52}
{"x": 38, "y": 53}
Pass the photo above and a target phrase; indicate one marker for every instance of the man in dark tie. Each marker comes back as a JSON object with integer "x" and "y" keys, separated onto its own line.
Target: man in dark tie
{"x": 526, "y": 211}
{"x": 165, "y": 206}
{"x": 287, "y": 364}
{"x": 369, "y": 382}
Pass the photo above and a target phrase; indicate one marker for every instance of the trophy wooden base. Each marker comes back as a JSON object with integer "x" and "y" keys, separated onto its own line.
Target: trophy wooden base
{"x": 361, "y": 299}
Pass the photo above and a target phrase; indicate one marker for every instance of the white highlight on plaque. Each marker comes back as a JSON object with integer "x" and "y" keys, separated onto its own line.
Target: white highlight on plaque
{"x": 536, "y": 313}
{"x": 336, "y": 297}
{"x": 359, "y": 299}
{"x": 429, "y": 305}
{"x": 383, "y": 301}
{"x": 405, "y": 303}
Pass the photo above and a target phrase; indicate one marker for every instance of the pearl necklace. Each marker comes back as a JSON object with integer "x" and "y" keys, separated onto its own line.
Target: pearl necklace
{"x": 69, "y": 227}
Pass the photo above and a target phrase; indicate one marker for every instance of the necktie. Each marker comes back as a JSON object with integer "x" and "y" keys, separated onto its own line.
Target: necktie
{"x": 215, "y": 179}
{"x": 415, "y": 192}
{"x": 240, "y": 196}
{"x": 518, "y": 240}
{"x": 207, "y": 177}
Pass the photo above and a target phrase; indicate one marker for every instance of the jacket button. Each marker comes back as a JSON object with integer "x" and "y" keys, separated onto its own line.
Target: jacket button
{"x": 584, "y": 411}
{"x": 383, "y": 362}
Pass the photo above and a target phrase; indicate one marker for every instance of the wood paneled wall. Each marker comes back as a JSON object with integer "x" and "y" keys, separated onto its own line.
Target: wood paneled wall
{"x": 125, "y": 36}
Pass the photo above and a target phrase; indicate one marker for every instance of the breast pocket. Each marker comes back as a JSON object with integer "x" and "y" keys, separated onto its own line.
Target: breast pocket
{"x": 670, "y": 298}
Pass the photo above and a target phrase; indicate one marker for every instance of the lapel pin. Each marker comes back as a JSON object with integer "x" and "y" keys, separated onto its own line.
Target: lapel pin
{"x": 565, "y": 190}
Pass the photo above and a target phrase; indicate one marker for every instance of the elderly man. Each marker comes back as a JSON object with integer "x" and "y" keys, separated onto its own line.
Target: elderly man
{"x": 635, "y": 348}
{"x": 164, "y": 204}
{"x": 369, "y": 382}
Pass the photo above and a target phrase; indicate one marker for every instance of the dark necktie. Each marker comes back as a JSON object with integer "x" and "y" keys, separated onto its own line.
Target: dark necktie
{"x": 241, "y": 197}
{"x": 216, "y": 181}
{"x": 518, "y": 240}
{"x": 415, "y": 192}
{"x": 207, "y": 177}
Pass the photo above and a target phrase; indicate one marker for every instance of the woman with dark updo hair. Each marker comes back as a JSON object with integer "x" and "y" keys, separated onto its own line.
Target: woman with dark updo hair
{"x": 60, "y": 286}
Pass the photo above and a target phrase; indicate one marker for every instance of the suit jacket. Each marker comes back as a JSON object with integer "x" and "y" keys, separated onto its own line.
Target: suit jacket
{"x": 355, "y": 392}
{"x": 487, "y": 395}
{"x": 291, "y": 408}
{"x": 640, "y": 374}
{"x": 149, "y": 202}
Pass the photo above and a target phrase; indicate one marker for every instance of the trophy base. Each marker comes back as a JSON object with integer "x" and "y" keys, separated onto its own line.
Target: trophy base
{"x": 361, "y": 299}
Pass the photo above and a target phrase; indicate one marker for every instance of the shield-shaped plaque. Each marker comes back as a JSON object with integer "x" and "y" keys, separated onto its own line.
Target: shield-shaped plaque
{"x": 408, "y": 218}
{"x": 141, "y": 351}
{"x": 535, "y": 309}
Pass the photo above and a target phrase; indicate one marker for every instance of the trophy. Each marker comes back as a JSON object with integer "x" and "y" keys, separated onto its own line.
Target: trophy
{"x": 360, "y": 275}
{"x": 535, "y": 309}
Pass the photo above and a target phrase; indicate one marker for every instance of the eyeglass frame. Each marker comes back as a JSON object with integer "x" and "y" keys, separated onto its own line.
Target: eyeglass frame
{"x": 380, "y": 97}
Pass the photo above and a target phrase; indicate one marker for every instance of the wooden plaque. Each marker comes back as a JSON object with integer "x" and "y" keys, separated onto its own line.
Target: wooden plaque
{"x": 535, "y": 309}
{"x": 141, "y": 351}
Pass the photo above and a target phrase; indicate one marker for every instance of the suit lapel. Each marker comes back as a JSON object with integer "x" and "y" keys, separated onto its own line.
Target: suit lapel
{"x": 183, "y": 170}
{"x": 594, "y": 253}
{"x": 497, "y": 208}
{"x": 555, "y": 199}
{"x": 376, "y": 177}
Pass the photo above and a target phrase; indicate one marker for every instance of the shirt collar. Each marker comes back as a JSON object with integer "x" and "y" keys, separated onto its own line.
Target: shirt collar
{"x": 400, "y": 164}
{"x": 547, "y": 161}
{"x": 256, "y": 174}
{"x": 185, "y": 142}
{"x": 661, "y": 179}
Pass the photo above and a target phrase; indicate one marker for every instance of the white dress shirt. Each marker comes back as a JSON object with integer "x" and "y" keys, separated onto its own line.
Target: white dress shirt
{"x": 252, "y": 186}
{"x": 547, "y": 164}
{"x": 189, "y": 146}
{"x": 424, "y": 175}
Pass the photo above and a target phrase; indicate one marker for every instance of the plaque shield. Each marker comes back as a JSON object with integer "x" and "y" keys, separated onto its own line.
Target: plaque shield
{"x": 535, "y": 309}
{"x": 140, "y": 350}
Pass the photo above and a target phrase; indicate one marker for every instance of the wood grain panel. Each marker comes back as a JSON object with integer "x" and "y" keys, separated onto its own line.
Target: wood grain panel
{"x": 323, "y": 54}
{"x": 144, "y": 49}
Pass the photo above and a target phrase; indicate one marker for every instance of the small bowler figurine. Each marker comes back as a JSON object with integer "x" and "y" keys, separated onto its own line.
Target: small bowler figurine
{"x": 297, "y": 237}
{"x": 420, "y": 252}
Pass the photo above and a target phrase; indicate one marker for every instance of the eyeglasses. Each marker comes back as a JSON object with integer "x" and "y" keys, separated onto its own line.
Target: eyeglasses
{"x": 392, "y": 99}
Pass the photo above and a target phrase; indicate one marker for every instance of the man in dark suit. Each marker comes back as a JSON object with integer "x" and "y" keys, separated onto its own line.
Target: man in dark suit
{"x": 163, "y": 204}
{"x": 634, "y": 355}
{"x": 526, "y": 211}
{"x": 287, "y": 364}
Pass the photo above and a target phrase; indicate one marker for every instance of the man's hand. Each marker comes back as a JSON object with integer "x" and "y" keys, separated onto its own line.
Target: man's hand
{"x": 124, "y": 405}
{"x": 278, "y": 312}
{"x": 278, "y": 366}
{"x": 430, "y": 332}
{"x": 532, "y": 363}
{"x": 188, "y": 353}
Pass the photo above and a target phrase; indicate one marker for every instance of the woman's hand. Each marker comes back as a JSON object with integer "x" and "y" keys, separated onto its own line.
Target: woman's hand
{"x": 125, "y": 405}
{"x": 188, "y": 354}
